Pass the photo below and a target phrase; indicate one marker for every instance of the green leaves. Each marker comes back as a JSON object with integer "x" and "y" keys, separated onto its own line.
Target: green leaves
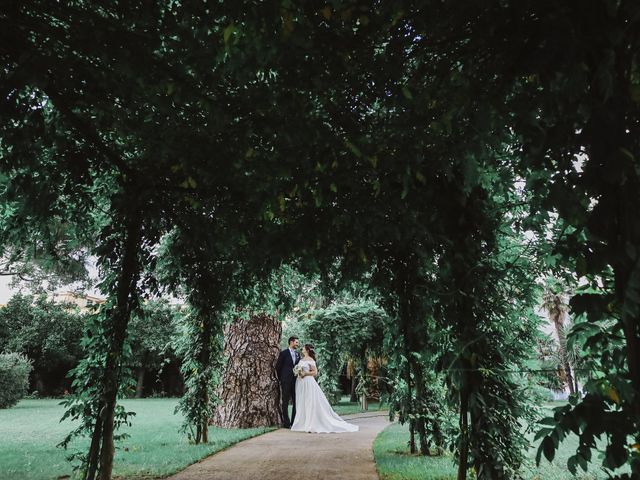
{"x": 346, "y": 330}
{"x": 228, "y": 32}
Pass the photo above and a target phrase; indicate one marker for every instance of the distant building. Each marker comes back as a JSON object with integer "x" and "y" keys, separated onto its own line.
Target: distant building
{"x": 83, "y": 302}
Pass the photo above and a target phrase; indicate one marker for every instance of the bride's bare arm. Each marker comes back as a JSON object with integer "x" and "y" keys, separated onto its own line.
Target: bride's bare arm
{"x": 313, "y": 371}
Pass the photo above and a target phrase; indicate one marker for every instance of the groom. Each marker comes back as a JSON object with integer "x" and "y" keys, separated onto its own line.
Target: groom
{"x": 288, "y": 358}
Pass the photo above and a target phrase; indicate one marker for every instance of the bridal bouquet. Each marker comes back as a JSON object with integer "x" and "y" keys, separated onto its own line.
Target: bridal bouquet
{"x": 297, "y": 370}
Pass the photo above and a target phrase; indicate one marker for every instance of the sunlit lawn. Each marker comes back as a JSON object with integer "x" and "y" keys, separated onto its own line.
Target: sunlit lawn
{"x": 30, "y": 431}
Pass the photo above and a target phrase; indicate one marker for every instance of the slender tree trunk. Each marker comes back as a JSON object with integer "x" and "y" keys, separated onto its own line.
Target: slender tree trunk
{"x": 464, "y": 437}
{"x": 564, "y": 356}
{"x": 354, "y": 384}
{"x": 420, "y": 394}
{"x": 140, "y": 382}
{"x": 364, "y": 402}
{"x": 557, "y": 313}
{"x": 412, "y": 425}
{"x": 405, "y": 321}
{"x": 94, "y": 449}
{"x": 125, "y": 288}
{"x": 205, "y": 421}
{"x": 412, "y": 343}
{"x": 412, "y": 437}
{"x": 205, "y": 361}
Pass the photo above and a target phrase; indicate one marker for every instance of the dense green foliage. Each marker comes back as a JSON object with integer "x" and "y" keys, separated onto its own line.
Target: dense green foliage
{"x": 14, "y": 378}
{"x": 48, "y": 334}
{"x": 344, "y": 331}
{"x": 150, "y": 336}
{"x": 429, "y": 149}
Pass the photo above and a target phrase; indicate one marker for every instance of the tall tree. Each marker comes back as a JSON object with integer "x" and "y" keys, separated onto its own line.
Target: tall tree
{"x": 554, "y": 302}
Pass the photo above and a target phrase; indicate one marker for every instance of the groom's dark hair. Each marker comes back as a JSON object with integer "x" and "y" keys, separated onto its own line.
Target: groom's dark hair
{"x": 291, "y": 339}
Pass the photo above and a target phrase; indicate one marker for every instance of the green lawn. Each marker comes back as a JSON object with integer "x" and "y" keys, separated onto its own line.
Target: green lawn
{"x": 394, "y": 462}
{"x": 345, "y": 407}
{"x": 30, "y": 431}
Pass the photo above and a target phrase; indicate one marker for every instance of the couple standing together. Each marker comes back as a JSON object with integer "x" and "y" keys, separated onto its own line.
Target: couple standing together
{"x": 311, "y": 410}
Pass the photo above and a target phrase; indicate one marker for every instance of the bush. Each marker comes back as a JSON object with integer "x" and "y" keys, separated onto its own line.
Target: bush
{"x": 14, "y": 378}
{"x": 539, "y": 393}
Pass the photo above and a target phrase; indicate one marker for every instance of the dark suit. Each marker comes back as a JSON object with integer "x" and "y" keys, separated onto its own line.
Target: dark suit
{"x": 284, "y": 371}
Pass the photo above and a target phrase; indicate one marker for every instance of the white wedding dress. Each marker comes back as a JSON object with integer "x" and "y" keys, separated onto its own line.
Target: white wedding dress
{"x": 313, "y": 412}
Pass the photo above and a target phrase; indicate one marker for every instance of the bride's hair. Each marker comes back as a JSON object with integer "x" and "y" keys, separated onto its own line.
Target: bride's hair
{"x": 310, "y": 350}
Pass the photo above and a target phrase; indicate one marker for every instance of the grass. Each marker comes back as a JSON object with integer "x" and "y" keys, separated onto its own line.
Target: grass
{"x": 394, "y": 462}
{"x": 30, "y": 431}
{"x": 345, "y": 407}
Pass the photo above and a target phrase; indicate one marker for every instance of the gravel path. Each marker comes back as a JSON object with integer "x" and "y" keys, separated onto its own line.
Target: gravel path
{"x": 285, "y": 454}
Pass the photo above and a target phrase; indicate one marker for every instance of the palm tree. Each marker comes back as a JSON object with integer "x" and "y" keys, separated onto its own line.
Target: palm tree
{"x": 554, "y": 301}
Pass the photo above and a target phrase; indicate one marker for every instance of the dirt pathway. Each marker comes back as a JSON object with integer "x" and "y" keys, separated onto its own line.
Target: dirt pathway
{"x": 284, "y": 454}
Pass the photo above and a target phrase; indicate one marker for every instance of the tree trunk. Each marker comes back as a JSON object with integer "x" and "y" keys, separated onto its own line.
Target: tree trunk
{"x": 204, "y": 359}
{"x": 556, "y": 308}
{"x": 562, "y": 342}
{"x": 464, "y": 437}
{"x": 412, "y": 437}
{"x": 364, "y": 402}
{"x": 140, "y": 382}
{"x": 94, "y": 449}
{"x": 420, "y": 396}
{"x": 205, "y": 423}
{"x": 249, "y": 392}
{"x": 373, "y": 365}
{"x": 126, "y": 286}
{"x": 354, "y": 384}
{"x": 39, "y": 384}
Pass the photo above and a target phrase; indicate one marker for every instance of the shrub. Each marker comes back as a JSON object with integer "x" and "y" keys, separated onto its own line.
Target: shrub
{"x": 14, "y": 378}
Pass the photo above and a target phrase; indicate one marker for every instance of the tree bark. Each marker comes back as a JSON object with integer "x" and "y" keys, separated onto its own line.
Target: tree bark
{"x": 420, "y": 395}
{"x": 94, "y": 450}
{"x": 558, "y": 321}
{"x": 354, "y": 384}
{"x": 126, "y": 286}
{"x": 140, "y": 382}
{"x": 249, "y": 392}
{"x": 464, "y": 437}
{"x": 556, "y": 308}
{"x": 205, "y": 361}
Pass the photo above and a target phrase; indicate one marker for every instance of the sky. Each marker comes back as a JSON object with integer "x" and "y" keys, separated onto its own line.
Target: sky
{"x": 5, "y": 291}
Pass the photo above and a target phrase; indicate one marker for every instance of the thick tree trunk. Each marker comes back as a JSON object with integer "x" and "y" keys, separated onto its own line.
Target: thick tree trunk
{"x": 249, "y": 391}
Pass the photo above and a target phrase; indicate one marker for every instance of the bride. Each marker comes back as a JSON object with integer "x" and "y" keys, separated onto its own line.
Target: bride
{"x": 313, "y": 412}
